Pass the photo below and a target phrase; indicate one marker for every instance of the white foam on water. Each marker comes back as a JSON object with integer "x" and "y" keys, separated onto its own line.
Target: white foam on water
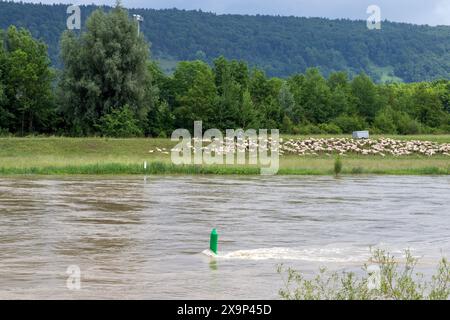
{"x": 336, "y": 253}
{"x": 209, "y": 253}
{"x": 311, "y": 254}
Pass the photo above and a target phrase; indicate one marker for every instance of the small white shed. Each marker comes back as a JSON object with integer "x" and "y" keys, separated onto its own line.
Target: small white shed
{"x": 360, "y": 134}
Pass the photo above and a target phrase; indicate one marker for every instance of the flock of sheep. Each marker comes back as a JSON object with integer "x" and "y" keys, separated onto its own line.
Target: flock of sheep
{"x": 382, "y": 147}
{"x": 323, "y": 146}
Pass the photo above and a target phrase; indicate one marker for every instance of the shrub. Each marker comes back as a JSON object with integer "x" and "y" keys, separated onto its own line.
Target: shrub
{"x": 162, "y": 135}
{"x": 407, "y": 125}
{"x": 348, "y": 123}
{"x": 330, "y": 128}
{"x": 309, "y": 129}
{"x": 4, "y": 132}
{"x": 323, "y": 128}
{"x": 357, "y": 170}
{"x": 375, "y": 130}
{"x": 296, "y": 130}
{"x": 391, "y": 282}
{"x": 445, "y": 128}
{"x": 429, "y": 130}
{"x": 120, "y": 123}
{"x": 286, "y": 126}
{"x": 337, "y": 166}
{"x": 384, "y": 121}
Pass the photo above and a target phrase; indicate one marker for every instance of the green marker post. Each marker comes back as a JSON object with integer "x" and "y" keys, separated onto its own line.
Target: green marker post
{"x": 213, "y": 241}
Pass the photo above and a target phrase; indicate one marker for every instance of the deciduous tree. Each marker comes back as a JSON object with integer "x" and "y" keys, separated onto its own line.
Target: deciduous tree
{"x": 105, "y": 68}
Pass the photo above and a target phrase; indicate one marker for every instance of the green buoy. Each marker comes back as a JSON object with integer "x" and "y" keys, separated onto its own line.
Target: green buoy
{"x": 213, "y": 241}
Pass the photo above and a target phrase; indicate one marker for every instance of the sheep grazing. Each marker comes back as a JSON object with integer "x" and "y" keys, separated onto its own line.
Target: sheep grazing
{"x": 382, "y": 147}
{"x": 328, "y": 146}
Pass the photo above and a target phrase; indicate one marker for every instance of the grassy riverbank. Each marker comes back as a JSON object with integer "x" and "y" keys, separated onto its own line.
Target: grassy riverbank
{"x": 55, "y": 155}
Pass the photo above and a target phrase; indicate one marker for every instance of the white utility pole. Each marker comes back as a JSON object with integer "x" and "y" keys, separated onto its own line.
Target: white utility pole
{"x": 139, "y": 19}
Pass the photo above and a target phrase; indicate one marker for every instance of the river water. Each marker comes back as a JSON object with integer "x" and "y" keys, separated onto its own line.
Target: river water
{"x": 135, "y": 238}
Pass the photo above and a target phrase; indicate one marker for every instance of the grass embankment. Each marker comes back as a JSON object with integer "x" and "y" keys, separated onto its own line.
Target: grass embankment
{"x": 62, "y": 156}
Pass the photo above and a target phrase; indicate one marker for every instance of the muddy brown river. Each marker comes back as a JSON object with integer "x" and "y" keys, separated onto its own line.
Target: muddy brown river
{"x": 136, "y": 238}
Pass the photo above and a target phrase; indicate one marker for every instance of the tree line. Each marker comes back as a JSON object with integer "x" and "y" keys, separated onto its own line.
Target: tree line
{"x": 108, "y": 86}
{"x": 280, "y": 46}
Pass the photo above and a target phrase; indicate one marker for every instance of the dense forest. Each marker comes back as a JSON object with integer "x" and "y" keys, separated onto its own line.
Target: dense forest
{"x": 108, "y": 86}
{"x": 281, "y": 46}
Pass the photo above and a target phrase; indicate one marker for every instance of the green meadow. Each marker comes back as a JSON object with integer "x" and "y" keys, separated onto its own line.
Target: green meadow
{"x": 64, "y": 156}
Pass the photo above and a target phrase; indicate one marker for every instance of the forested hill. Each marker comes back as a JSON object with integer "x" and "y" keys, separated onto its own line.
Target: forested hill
{"x": 280, "y": 45}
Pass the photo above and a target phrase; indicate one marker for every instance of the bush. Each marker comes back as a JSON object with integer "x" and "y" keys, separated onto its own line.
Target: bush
{"x": 162, "y": 135}
{"x": 407, "y": 125}
{"x": 4, "y": 132}
{"x": 390, "y": 282}
{"x": 445, "y": 128}
{"x": 429, "y": 130}
{"x": 295, "y": 130}
{"x": 286, "y": 126}
{"x": 348, "y": 123}
{"x": 120, "y": 123}
{"x": 323, "y": 128}
{"x": 357, "y": 170}
{"x": 337, "y": 166}
{"x": 392, "y": 121}
{"x": 330, "y": 128}
{"x": 309, "y": 129}
{"x": 384, "y": 121}
{"x": 160, "y": 121}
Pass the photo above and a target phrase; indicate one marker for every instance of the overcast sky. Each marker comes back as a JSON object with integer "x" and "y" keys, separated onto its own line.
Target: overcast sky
{"x": 432, "y": 12}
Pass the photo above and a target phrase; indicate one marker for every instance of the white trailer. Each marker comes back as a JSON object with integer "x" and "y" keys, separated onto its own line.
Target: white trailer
{"x": 360, "y": 134}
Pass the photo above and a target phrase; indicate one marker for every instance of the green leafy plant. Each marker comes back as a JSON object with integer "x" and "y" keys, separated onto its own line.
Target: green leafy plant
{"x": 337, "y": 166}
{"x": 120, "y": 123}
{"x": 395, "y": 281}
{"x": 348, "y": 123}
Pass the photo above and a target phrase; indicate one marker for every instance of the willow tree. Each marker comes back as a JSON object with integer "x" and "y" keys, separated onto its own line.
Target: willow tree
{"x": 105, "y": 70}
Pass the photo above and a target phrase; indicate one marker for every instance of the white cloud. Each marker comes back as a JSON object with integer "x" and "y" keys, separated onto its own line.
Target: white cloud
{"x": 442, "y": 12}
